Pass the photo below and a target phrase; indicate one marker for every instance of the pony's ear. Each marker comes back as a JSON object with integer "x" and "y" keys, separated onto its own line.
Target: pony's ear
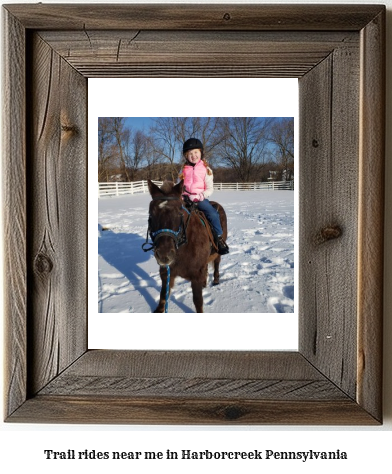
{"x": 177, "y": 189}
{"x": 153, "y": 188}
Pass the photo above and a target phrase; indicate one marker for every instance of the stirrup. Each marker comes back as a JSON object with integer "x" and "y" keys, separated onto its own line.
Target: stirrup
{"x": 223, "y": 248}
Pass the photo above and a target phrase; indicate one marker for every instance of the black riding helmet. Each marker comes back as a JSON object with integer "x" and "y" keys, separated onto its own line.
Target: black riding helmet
{"x": 191, "y": 144}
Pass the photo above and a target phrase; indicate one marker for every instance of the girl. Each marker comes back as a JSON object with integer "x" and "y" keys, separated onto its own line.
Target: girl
{"x": 199, "y": 185}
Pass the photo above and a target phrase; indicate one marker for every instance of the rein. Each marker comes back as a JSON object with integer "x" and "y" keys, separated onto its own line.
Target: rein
{"x": 179, "y": 235}
{"x": 167, "y": 288}
{"x": 147, "y": 246}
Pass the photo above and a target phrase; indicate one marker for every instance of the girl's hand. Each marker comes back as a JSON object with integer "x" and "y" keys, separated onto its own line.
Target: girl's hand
{"x": 198, "y": 197}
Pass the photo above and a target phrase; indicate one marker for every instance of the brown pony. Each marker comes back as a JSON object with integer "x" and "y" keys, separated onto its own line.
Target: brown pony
{"x": 180, "y": 240}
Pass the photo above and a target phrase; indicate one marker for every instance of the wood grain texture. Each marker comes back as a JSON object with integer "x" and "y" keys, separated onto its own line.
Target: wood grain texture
{"x": 155, "y": 411}
{"x": 201, "y": 387}
{"x": 208, "y": 364}
{"x": 192, "y": 387}
{"x": 338, "y": 52}
{"x": 193, "y": 53}
{"x": 14, "y": 211}
{"x": 371, "y": 215}
{"x": 57, "y": 214}
{"x": 329, "y": 137}
{"x": 193, "y": 17}
{"x": 208, "y": 375}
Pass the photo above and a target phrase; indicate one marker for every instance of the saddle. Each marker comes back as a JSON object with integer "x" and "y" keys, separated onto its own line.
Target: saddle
{"x": 192, "y": 207}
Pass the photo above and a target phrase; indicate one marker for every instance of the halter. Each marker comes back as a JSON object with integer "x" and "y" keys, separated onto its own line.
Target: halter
{"x": 179, "y": 235}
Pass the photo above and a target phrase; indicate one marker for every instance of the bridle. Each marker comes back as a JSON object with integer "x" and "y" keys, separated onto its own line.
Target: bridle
{"x": 179, "y": 236}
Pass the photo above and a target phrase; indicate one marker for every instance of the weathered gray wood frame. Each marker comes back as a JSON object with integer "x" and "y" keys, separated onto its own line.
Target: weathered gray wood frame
{"x": 337, "y": 52}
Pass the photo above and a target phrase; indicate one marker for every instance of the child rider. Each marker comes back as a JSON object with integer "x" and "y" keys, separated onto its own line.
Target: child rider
{"x": 199, "y": 185}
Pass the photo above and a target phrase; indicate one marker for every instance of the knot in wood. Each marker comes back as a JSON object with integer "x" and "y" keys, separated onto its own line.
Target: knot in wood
{"x": 227, "y": 16}
{"x": 315, "y": 143}
{"x": 43, "y": 264}
{"x": 232, "y": 413}
{"x": 69, "y": 128}
{"x": 328, "y": 233}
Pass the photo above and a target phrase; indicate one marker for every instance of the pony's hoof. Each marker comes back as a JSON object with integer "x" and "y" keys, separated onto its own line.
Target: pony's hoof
{"x": 214, "y": 283}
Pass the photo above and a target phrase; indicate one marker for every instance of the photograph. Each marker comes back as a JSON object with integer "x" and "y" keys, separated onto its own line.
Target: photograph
{"x": 224, "y": 238}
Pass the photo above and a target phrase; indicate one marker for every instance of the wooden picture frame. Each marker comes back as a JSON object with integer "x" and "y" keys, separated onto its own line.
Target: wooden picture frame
{"x": 338, "y": 54}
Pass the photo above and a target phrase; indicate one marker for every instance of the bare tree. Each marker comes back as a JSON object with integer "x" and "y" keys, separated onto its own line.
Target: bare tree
{"x": 206, "y": 129}
{"x": 121, "y": 149}
{"x": 164, "y": 142}
{"x": 122, "y": 138}
{"x": 152, "y": 159}
{"x": 282, "y": 136}
{"x": 169, "y": 133}
{"x": 136, "y": 152}
{"x": 113, "y": 140}
{"x": 244, "y": 145}
{"x": 107, "y": 150}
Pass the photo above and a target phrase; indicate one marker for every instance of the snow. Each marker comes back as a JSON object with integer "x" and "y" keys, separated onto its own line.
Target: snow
{"x": 257, "y": 276}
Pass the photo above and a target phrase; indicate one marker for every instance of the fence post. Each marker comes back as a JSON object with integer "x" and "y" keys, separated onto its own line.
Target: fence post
{"x": 117, "y": 189}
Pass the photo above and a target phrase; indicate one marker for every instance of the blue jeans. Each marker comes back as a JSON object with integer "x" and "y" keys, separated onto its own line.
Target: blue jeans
{"x": 212, "y": 215}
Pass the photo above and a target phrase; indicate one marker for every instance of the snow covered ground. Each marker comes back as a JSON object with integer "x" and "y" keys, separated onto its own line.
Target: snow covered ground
{"x": 257, "y": 276}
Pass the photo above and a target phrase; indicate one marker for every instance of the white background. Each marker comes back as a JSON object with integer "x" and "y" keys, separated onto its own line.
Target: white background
{"x": 145, "y": 98}
{"x": 368, "y": 448}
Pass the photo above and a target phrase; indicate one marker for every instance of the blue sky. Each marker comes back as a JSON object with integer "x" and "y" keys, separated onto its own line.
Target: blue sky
{"x": 139, "y": 122}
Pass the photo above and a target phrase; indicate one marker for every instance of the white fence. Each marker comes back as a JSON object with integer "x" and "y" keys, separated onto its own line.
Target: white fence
{"x": 266, "y": 186}
{"x": 118, "y": 189}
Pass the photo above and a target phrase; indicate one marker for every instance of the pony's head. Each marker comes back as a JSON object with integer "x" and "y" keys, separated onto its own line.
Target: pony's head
{"x": 165, "y": 220}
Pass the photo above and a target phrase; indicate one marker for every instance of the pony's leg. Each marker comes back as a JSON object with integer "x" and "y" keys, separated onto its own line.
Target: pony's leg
{"x": 216, "y": 270}
{"x": 162, "y": 298}
{"x": 205, "y": 276}
{"x": 197, "y": 290}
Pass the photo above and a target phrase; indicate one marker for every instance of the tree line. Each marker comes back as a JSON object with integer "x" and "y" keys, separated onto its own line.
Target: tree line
{"x": 238, "y": 149}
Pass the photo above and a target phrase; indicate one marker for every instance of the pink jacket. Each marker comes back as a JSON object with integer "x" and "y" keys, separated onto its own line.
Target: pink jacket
{"x": 198, "y": 183}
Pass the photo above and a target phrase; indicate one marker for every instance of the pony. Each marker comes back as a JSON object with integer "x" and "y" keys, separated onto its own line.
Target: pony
{"x": 181, "y": 242}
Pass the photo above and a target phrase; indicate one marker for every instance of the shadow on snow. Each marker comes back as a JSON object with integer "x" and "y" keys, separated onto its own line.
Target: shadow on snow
{"x": 123, "y": 252}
